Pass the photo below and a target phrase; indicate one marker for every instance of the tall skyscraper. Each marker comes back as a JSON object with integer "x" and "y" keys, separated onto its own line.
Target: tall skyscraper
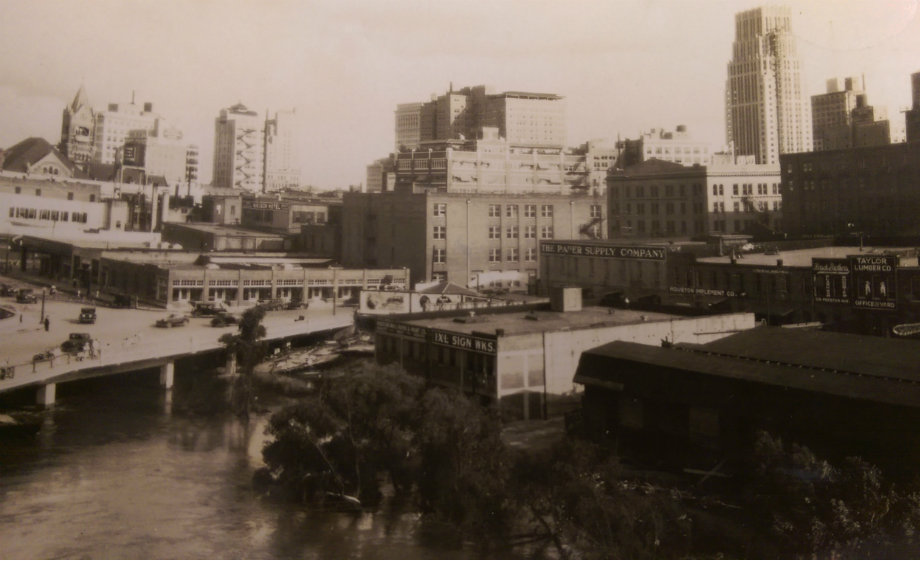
{"x": 239, "y": 149}
{"x": 766, "y": 114}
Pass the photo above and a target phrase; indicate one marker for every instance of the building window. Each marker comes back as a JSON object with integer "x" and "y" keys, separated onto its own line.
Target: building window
{"x": 38, "y": 192}
{"x": 530, "y": 254}
{"x": 511, "y": 232}
{"x": 495, "y": 232}
{"x": 546, "y": 211}
{"x": 495, "y": 211}
{"x": 494, "y": 255}
{"x": 440, "y": 232}
{"x": 70, "y": 196}
{"x": 512, "y": 254}
{"x": 530, "y": 211}
{"x": 530, "y": 232}
{"x": 439, "y": 255}
{"x": 511, "y": 211}
{"x": 595, "y": 211}
{"x": 440, "y": 209}
{"x": 546, "y": 233}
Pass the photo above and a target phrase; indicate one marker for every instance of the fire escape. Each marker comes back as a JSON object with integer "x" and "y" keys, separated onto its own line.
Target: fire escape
{"x": 244, "y": 145}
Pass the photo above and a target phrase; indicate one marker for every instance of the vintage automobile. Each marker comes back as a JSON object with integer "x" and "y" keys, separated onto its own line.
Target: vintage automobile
{"x": 223, "y": 319}
{"x": 87, "y": 315}
{"x": 203, "y": 309}
{"x": 26, "y": 296}
{"x": 172, "y": 320}
{"x": 76, "y": 342}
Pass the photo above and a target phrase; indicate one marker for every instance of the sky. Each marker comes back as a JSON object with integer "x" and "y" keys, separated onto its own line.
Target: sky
{"x": 624, "y": 66}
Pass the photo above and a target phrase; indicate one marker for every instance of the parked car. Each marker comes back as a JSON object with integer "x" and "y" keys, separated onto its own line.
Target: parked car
{"x": 87, "y": 315}
{"x": 203, "y": 309}
{"x": 172, "y": 320}
{"x": 614, "y": 300}
{"x": 76, "y": 342}
{"x": 272, "y": 305}
{"x": 223, "y": 319}
{"x": 26, "y": 296}
{"x": 7, "y": 290}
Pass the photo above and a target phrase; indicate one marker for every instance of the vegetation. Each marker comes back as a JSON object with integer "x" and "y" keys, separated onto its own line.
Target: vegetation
{"x": 249, "y": 349}
{"x": 377, "y": 430}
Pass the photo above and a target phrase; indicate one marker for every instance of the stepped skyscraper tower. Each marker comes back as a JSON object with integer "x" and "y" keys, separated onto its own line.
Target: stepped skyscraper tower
{"x": 766, "y": 113}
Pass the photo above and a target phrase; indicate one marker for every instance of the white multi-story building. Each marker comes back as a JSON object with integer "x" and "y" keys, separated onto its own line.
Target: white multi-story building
{"x": 239, "y": 149}
{"x": 280, "y": 170}
{"x": 115, "y": 124}
{"x": 766, "y": 113}
{"x": 676, "y": 146}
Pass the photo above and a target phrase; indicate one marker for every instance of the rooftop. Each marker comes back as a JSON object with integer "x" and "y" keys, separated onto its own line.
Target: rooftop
{"x": 522, "y": 323}
{"x": 803, "y": 257}
{"x": 853, "y": 366}
{"x": 223, "y": 229}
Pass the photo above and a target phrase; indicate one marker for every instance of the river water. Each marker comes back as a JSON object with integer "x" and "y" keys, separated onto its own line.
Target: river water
{"x": 120, "y": 468}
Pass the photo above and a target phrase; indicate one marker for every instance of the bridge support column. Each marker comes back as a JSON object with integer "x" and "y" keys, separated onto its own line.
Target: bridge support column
{"x": 231, "y": 364}
{"x": 45, "y": 395}
{"x": 167, "y": 372}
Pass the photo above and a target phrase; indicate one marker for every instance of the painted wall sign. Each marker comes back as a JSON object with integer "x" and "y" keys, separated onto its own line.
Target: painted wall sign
{"x": 463, "y": 341}
{"x": 874, "y": 281}
{"x": 832, "y": 280}
{"x": 609, "y": 251}
{"x": 387, "y": 327}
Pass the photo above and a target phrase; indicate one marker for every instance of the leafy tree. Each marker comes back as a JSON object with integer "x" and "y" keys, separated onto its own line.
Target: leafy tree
{"x": 815, "y": 509}
{"x": 249, "y": 349}
{"x": 359, "y": 426}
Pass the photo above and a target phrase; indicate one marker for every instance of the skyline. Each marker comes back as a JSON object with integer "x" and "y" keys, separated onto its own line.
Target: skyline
{"x": 345, "y": 66}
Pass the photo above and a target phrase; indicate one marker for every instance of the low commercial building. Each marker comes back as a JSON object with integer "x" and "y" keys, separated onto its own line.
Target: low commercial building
{"x": 837, "y": 393}
{"x": 524, "y": 359}
{"x": 175, "y": 278}
{"x": 285, "y": 213}
{"x": 216, "y": 237}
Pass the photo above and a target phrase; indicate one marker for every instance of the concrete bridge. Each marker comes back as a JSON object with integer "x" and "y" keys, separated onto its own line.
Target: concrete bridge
{"x": 154, "y": 352}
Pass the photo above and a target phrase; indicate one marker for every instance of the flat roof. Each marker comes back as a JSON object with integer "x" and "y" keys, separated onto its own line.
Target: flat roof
{"x": 525, "y": 322}
{"x": 852, "y": 366}
{"x": 803, "y": 257}
{"x": 223, "y": 229}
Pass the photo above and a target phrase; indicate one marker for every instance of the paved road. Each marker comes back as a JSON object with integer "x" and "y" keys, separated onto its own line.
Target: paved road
{"x": 128, "y": 334}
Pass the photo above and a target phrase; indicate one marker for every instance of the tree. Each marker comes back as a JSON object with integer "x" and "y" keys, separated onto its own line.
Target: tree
{"x": 248, "y": 348}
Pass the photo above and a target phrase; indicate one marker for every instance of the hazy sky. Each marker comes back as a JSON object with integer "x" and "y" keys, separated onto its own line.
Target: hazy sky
{"x": 623, "y": 65}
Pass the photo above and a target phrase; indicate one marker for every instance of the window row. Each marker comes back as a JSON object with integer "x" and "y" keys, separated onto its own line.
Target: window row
{"x": 45, "y": 214}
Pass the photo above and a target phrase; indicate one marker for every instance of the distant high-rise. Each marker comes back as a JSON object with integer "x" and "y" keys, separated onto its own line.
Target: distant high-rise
{"x": 521, "y": 118}
{"x": 912, "y": 115}
{"x": 78, "y": 125}
{"x": 766, "y": 114}
{"x": 280, "y": 171}
{"x": 114, "y": 125}
{"x": 843, "y": 118}
{"x": 239, "y": 149}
